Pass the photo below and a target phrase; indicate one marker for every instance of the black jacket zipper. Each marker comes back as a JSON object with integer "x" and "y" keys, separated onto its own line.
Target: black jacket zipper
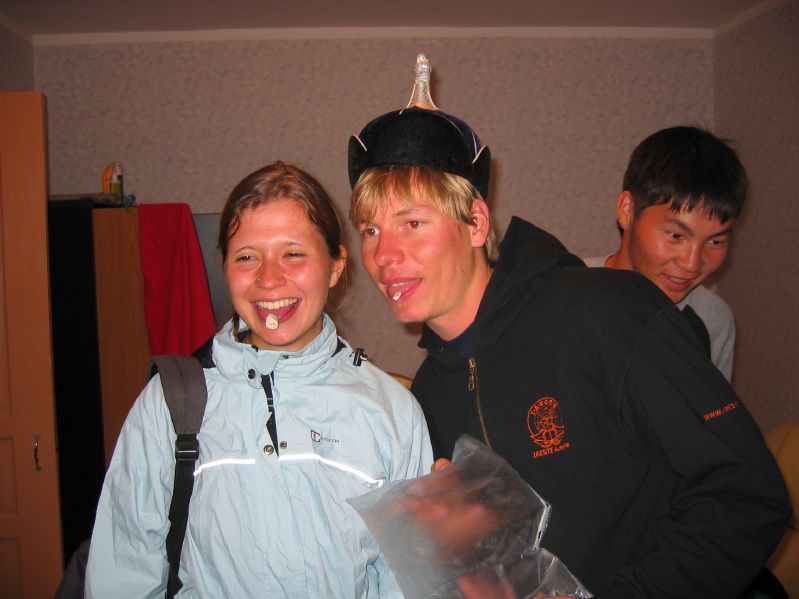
{"x": 475, "y": 386}
{"x": 271, "y": 424}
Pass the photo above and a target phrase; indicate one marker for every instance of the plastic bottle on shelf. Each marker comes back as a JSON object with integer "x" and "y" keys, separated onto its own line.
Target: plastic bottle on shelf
{"x": 116, "y": 181}
{"x": 112, "y": 180}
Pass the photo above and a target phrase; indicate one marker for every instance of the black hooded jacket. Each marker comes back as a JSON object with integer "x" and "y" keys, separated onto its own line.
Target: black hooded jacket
{"x": 593, "y": 387}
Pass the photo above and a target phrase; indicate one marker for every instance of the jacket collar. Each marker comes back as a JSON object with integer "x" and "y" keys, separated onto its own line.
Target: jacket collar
{"x": 236, "y": 360}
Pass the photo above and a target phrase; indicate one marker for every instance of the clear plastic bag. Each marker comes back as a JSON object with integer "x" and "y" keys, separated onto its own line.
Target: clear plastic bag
{"x": 473, "y": 526}
{"x": 535, "y": 575}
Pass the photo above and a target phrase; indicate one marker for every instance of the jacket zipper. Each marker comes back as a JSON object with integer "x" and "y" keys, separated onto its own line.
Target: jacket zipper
{"x": 271, "y": 424}
{"x": 474, "y": 386}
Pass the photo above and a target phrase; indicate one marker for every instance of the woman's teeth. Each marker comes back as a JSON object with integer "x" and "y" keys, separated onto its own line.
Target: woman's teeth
{"x": 272, "y": 322}
{"x": 278, "y": 304}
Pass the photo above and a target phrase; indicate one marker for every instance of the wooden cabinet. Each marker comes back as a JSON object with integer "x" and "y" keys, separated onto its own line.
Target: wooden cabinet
{"x": 121, "y": 324}
{"x": 100, "y": 348}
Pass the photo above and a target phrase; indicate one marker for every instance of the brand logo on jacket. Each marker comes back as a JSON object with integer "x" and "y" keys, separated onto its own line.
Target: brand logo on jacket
{"x": 317, "y": 438}
{"x": 721, "y": 411}
{"x": 545, "y": 423}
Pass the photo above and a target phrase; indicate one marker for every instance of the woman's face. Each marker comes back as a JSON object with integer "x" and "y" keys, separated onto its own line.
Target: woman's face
{"x": 279, "y": 272}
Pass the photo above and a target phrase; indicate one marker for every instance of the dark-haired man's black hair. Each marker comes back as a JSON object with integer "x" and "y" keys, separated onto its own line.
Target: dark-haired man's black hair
{"x": 690, "y": 167}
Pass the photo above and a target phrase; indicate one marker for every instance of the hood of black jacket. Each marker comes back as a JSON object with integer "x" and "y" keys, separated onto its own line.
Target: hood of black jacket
{"x": 526, "y": 251}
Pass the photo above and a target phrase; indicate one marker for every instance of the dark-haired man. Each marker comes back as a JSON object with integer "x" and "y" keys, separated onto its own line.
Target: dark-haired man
{"x": 683, "y": 189}
{"x": 587, "y": 381}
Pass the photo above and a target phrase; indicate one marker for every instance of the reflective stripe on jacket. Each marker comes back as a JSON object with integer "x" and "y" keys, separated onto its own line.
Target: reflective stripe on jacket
{"x": 268, "y": 517}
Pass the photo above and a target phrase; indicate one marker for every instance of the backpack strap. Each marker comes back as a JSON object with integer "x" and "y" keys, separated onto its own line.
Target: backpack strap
{"x": 185, "y": 393}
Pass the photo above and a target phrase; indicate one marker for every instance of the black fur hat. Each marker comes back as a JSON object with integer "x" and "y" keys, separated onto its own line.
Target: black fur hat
{"x": 421, "y": 137}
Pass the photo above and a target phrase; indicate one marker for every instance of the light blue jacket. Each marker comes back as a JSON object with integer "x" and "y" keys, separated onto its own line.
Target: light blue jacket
{"x": 262, "y": 523}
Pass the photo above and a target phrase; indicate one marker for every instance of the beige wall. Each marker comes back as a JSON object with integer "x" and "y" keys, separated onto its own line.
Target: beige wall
{"x": 188, "y": 120}
{"x": 16, "y": 62}
{"x": 757, "y": 104}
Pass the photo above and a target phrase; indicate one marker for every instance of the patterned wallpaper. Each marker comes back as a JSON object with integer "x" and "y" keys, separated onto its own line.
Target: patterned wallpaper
{"x": 190, "y": 119}
{"x": 16, "y": 62}
{"x": 757, "y": 104}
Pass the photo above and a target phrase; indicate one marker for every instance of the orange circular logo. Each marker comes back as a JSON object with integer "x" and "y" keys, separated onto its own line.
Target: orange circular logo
{"x": 545, "y": 423}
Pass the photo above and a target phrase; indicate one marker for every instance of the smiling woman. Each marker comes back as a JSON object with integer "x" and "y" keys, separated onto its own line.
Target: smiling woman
{"x": 280, "y": 240}
{"x": 296, "y": 422}
{"x": 278, "y": 273}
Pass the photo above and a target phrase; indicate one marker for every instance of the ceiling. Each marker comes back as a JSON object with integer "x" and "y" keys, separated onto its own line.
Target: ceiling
{"x": 58, "y": 17}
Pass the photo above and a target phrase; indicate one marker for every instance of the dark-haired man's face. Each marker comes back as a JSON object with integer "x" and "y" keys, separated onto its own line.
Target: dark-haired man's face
{"x": 675, "y": 250}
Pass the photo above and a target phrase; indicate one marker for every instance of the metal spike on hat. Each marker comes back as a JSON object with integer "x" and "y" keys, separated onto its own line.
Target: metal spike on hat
{"x": 421, "y": 96}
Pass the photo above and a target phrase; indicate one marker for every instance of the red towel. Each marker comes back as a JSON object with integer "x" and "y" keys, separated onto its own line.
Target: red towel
{"x": 177, "y": 303}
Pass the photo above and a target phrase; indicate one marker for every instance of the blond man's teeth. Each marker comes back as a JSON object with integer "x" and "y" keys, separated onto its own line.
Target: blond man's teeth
{"x": 398, "y": 289}
{"x": 275, "y": 305}
{"x": 272, "y": 322}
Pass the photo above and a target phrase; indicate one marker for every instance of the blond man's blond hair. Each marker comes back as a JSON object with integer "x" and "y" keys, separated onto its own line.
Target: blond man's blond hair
{"x": 449, "y": 194}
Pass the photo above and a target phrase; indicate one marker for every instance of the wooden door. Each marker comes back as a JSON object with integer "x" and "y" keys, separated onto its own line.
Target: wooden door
{"x": 31, "y": 561}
